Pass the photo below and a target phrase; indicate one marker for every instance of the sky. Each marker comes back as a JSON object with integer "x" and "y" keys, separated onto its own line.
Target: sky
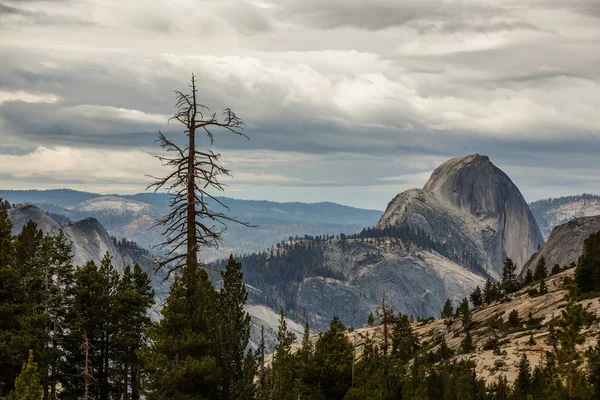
{"x": 344, "y": 100}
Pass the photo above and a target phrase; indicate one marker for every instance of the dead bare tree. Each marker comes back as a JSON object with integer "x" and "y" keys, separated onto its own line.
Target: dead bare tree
{"x": 192, "y": 224}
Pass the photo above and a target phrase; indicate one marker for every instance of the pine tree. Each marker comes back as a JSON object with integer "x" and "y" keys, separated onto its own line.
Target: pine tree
{"x": 179, "y": 360}
{"x": 233, "y": 324}
{"x": 59, "y": 280}
{"x": 445, "y": 352}
{"x": 133, "y": 297}
{"x": 306, "y": 350}
{"x": 466, "y": 345}
{"x": 371, "y": 319}
{"x": 488, "y": 292}
{"x": 33, "y": 277}
{"x": 540, "y": 271}
{"x": 27, "y": 384}
{"x": 464, "y": 312}
{"x": 12, "y": 306}
{"x": 573, "y": 319}
{"x": 260, "y": 358}
{"x": 523, "y": 382}
{"x": 543, "y": 289}
{"x": 448, "y": 310}
{"x": 282, "y": 369}
{"x": 528, "y": 280}
{"x": 462, "y": 308}
{"x": 593, "y": 366}
{"x": 404, "y": 340}
{"x": 107, "y": 327}
{"x": 509, "y": 278}
{"x": 539, "y": 382}
{"x": 476, "y": 297}
{"x": 556, "y": 269}
{"x": 368, "y": 382}
{"x": 587, "y": 272}
{"x": 513, "y": 318}
{"x": 306, "y": 382}
{"x": 501, "y": 389}
{"x": 333, "y": 359}
{"x": 94, "y": 314}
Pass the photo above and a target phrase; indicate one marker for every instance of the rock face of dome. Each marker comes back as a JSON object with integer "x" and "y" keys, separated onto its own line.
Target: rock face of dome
{"x": 89, "y": 239}
{"x": 474, "y": 208}
{"x": 565, "y": 244}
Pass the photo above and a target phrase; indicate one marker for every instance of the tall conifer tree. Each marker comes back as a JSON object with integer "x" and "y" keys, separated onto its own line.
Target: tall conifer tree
{"x": 233, "y": 324}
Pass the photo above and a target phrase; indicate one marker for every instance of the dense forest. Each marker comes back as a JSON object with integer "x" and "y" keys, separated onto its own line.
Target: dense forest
{"x": 74, "y": 333}
{"x": 85, "y": 332}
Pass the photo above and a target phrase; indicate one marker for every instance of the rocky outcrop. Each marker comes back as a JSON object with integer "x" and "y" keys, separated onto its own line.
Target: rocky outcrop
{"x": 265, "y": 318}
{"x": 473, "y": 209}
{"x": 89, "y": 239}
{"x": 565, "y": 244}
{"x": 414, "y": 281}
{"x": 91, "y": 242}
{"x": 322, "y": 298}
{"x": 21, "y": 215}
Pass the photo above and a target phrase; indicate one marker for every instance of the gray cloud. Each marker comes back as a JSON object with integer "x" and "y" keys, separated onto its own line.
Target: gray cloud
{"x": 335, "y": 94}
{"x": 379, "y": 14}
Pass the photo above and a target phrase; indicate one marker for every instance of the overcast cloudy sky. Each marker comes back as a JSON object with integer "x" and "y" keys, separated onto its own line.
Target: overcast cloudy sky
{"x": 345, "y": 100}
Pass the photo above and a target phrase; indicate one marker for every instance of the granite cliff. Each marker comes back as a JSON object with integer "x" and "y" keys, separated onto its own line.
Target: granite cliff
{"x": 474, "y": 208}
{"x": 89, "y": 239}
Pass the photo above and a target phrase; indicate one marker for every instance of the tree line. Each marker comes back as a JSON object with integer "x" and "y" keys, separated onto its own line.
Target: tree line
{"x": 87, "y": 333}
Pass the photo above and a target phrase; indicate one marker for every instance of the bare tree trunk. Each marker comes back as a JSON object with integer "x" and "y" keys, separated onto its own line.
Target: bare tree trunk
{"x": 192, "y": 254}
{"x": 191, "y": 223}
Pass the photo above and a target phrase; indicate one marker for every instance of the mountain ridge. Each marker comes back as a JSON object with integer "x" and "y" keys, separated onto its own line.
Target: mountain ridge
{"x": 556, "y": 211}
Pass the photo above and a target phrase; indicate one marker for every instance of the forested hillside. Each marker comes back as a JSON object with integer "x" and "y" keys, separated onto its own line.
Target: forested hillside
{"x": 532, "y": 339}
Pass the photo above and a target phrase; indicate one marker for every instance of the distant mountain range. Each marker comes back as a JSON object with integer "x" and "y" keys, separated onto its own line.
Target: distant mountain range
{"x": 132, "y": 217}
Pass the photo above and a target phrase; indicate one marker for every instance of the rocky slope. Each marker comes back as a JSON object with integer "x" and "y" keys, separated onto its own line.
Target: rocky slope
{"x": 91, "y": 242}
{"x": 550, "y": 213}
{"x": 415, "y": 281}
{"x": 473, "y": 207}
{"x": 514, "y": 341}
{"x": 565, "y": 244}
{"x": 20, "y": 216}
{"x": 88, "y": 237}
{"x": 314, "y": 280}
{"x": 268, "y": 319}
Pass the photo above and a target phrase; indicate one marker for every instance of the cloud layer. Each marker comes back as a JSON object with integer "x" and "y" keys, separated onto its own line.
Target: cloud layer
{"x": 344, "y": 100}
